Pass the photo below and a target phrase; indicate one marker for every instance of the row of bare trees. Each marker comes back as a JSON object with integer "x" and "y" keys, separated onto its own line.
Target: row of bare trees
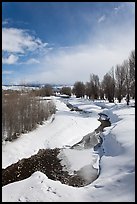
{"x": 47, "y": 90}
{"x": 117, "y": 83}
{"x": 22, "y": 112}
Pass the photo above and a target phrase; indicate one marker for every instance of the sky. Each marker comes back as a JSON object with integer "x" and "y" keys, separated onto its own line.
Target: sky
{"x": 64, "y": 42}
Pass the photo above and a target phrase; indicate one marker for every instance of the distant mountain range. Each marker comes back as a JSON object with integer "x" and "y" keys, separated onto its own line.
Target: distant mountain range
{"x": 20, "y": 86}
{"x": 36, "y": 85}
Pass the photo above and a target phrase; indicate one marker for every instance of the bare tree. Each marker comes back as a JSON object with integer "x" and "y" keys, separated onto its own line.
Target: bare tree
{"x": 66, "y": 90}
{"x": 79, "y": 89}
{"x": 120, "y": 75}
{"x": 47, "y": 90}
{"x": 88, "y": 90}
{"x": 108, "y": 85}
{"x": 127, "y": 80}
{"x": 101, "y": 91}
{"x": 94, "y": 82}
{"x": 132, "y": 73}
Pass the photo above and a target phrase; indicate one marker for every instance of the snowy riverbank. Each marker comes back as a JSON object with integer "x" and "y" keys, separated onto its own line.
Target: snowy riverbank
{"x": 116, "y": 179}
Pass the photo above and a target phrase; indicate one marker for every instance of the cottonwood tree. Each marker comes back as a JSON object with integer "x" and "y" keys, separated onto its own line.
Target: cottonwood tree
{"x": 94, "y": 82}
{"x": 120, "y": 76}
{"x": 132, "y": 73}
{"x": 79, "y": 89}
{"x": 66, "y": 90}
{"x": 108, "y": 85}
{"x": 101, "y": 91}
{"x": 47, "y": 90}
{"x": 88, "y": 90}
{"x": 127, "y": 79}
{"x": 92, "y": 87}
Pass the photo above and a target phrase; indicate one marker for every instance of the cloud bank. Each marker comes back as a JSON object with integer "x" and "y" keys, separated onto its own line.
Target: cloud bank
{"x": 12, "y": 59}
{"x": 67, "y": 66}
{"x": 18, "y": 41}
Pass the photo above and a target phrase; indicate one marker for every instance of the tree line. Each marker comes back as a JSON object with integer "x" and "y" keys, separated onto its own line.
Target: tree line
{"x": 117, "y": 83}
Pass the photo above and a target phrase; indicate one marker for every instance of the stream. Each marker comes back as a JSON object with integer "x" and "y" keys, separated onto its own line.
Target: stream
{"x": 48, "y": 162}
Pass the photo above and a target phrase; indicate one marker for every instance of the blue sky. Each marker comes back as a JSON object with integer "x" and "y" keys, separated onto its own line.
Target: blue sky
{"x": 62, "y": 42}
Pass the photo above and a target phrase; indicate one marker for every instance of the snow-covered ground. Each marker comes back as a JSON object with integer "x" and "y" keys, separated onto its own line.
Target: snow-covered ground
{"x": 116, "y": 182}
{"x": 18, "y": 88}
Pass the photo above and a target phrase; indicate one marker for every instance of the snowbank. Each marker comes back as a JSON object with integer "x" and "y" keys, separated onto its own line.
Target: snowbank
{"x": 116, "y": 182}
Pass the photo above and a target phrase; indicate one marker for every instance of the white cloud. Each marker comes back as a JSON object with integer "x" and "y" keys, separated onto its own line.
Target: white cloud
{"x": 31, "y": 61}
{"x": 17, "y": 41}
{"x": 101, "y": 19}
{"x": 118, "y": 8}
{"x": 111, "y": 46}
{"x": 5, "y": 22}
{"x": 70, "y": 65}
{"x": 12, "y": 59}
{"x": 131, "y": 7}
{"x": 7, "y": 72}
{"x": 127, "y": 6}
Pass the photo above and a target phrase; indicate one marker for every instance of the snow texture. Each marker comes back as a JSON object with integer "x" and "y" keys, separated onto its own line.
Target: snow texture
{"x": 115, "y": 158}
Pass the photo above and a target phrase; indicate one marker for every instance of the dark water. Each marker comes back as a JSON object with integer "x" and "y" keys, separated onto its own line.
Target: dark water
{"x": 47, "y": 162}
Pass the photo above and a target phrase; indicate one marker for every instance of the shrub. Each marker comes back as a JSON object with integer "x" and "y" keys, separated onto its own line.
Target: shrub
{"x": 22, "y": 113}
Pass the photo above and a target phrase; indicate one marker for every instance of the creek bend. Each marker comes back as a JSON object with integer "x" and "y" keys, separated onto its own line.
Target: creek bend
{"x": 48, "y": 162}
